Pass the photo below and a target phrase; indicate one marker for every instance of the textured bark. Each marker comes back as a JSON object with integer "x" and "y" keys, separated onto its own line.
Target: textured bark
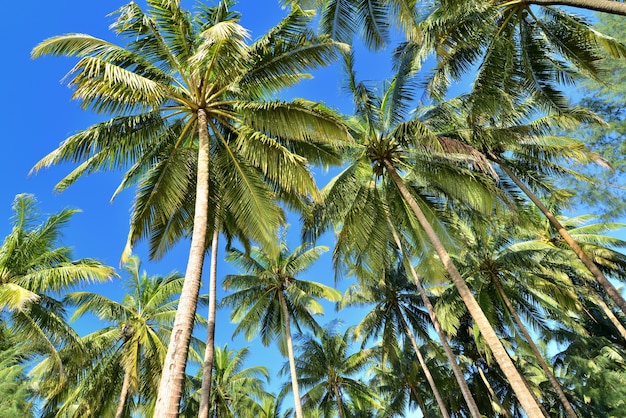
{"x": 458, "y": 373}
{"x": 613, "y": 293}
{"x": 173, "y": 377}
{"x": 604, "y": 6}
{"x": 123, "y": 395}
{"x": 339, "y": 402}
{"x": 544, "y": 366}
{"x": 292, "y": 361}
{"x": 429, "y": 376}
{"x": 209, "y": 352}
{"x": 524, "y": 396}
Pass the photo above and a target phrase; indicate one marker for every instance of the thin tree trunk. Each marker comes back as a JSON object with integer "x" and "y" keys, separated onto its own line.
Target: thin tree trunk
{"x": 494, "y": 397}
{"x": 209, "y": 352}
{"x": 526, "y": 399}
{"x": 607, "y": 285}
{"x": 292, "y": 362}
{"x": 458, "y": 373}
{"x": 418, "y": 400}
{"x": 569, "y": 411}
{"x": 339, "y": 402}
{"x": 604, "y": 6}
{"x": 123, "y": 395}
{"x": 609, "y": 313}
{"x": 173, "y": 377}
{"x": 429, "y": 376}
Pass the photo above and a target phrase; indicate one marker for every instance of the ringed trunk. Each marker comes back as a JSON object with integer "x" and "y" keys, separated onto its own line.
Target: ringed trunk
{"x": 209, "y": 353}
{"x": 173, "y": 377}
{"x": 525, "y": 397}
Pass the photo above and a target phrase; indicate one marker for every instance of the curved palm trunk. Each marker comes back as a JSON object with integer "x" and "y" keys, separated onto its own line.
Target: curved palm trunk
{"x": 604, "y": 6}
{"x": 173, "y": 377}
{"x": 418, "y": 399}
{"x": 569, "y": 411}
{"x": 525, "y": 397}
{"x": 429, "y": 376}
{"x": 123, "y": 395}
{"x": 209, "y": 353}
{"x": 292, "y": 361}
{"x": 458, "y": 373}
{"x": 591, "y": 266}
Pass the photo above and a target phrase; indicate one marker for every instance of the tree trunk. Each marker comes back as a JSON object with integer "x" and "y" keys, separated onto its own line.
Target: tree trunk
{"x": 607, "y": 285}
{"x": 458, "y": 373}
{"x": 123, "y": 395}
{"x": 173, "y": 377}
{"x": 292, "y": 361}
{"x": 609, "y": 313}
{"x": 494, "y": 397}
{"x": 429, "y": 376}
{"x": 569, "y": 411}
{"x": 526, "y": 399}
{"x": 418, "y": 400}
{"x": 604, "y": 6}
{"x": 339, "y": 402}
{"x": 209, "y": 352}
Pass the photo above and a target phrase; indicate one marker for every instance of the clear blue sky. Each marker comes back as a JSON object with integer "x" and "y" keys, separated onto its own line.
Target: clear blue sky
{"x": 37, "y": 113}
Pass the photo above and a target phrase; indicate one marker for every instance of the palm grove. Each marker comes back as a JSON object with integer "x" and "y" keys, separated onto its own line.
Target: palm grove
{"x": 449, "y": 217}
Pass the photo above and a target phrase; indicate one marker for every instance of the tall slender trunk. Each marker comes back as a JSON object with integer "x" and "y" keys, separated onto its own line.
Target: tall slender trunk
{"x": 429, "y": 376}
{"x": 209, "y": 352}
{"x": 609, "y": 313}
{"x": 342, "y": 414}
{"x": 458, "y": 373}
{"x": 123, "y": 395}
{"x": 569, "y": 411}
{"x": 418, "y": 400}
{"x": 292, "y": 361}
{"x": 525, "y": 397}
{"x": 604, "y": 6}
{"x": 494, "y": 397}
{"x": 593, "y": 268}
{"x": 173, "y": 377}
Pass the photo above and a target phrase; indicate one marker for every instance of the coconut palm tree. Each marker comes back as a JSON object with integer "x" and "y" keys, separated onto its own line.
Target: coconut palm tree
{"x": 237, "y": 391}
{"x": 125, "y": 356}
{"x": 268, "y": 298}
{"x": 331, "y": 374}
{"x": 391, "y": 144}
{"x": 183, "y": 85}
{"x": 34, "y": 269}
{"x": 395, "y": 312}
{"x": 517, "y": 48}
{"x": 525, "y": 150}
{"x": 17, "y": 399}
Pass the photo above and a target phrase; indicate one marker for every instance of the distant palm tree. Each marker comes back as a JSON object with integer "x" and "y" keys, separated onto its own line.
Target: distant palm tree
{"x": 34, "y": 268}
{"x": 395, "y": 314}
{"x": 269, "y": 298}
{"x": 121, "y": 370}
{"x": 330, "y": 374}
{"x": 237, "y": 391}
{"x": 185, "y": 85}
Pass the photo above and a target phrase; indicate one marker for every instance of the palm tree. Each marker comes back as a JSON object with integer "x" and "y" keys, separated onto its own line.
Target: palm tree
{"x": 237, "y": 391}
{"x": 330, "y": 373}
{"x": 395, "y": 312}
{"x": 269, "y": 298}
{"x": 34, "y": 268}
{"x": 390, "y": 144}
{"x": 184, "y": 85}
{"x": 127, "y": 355}
{"x": 517, "y": 48}
{"x": 17, "y": 399}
